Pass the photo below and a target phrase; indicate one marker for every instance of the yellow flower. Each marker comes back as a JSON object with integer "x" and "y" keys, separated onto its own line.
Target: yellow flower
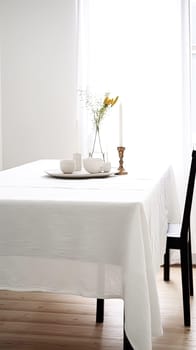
{"x": 105, "y": 102}
{"x": 114, "y": 101}
{"x": 98, "y": 107}
{"x": 110, "y": 101}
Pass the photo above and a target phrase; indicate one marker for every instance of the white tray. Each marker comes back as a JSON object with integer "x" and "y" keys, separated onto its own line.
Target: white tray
{"x": 76, "y": 175}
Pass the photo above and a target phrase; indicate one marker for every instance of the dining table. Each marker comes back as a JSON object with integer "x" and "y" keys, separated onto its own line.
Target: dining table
{"x": 94, "y": 235}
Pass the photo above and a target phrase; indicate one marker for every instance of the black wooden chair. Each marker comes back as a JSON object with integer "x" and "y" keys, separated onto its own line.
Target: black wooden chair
{"x": 179, "y": 237}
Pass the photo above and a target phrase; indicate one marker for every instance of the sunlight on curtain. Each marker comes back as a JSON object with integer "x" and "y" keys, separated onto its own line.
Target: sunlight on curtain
{"x": 193, "y": 110}
{"x": 133, "y": 49}
{"x": 0, "y": 120}
{"x": 140, "y": 50}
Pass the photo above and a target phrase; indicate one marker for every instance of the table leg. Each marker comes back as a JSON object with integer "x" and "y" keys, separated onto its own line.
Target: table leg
{"x": 100, "y": 318}
{"x": 100, "y": 311}
{"x": 126, "y": 343}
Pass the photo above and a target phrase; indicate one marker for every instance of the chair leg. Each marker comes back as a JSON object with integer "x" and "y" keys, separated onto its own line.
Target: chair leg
{"x": 166, "y": 267}
{"x": 190, "y": 265}
{"x": 100, "y": 311}
{"x": 185, "y": 284}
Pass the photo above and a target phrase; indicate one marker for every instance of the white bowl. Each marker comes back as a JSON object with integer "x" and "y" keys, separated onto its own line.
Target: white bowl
{"x": 67, "y": 166}
{"x": 107, "y": 167}
{"x": 93, "y": 165}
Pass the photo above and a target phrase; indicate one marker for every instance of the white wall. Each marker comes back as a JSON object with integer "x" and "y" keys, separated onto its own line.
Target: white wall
{"x": 38, "y": 79}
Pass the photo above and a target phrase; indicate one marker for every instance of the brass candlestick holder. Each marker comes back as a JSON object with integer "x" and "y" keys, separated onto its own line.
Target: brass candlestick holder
{"x": 121, "y": 170}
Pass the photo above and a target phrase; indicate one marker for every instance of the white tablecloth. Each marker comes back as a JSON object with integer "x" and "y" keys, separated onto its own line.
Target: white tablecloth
{"x": 98, "y": 238}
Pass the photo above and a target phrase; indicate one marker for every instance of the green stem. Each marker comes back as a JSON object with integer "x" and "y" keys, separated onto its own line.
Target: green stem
{"x": 99, "y": 139}
{"x": 100, "y": 145}
{"x": 93, "y": 149}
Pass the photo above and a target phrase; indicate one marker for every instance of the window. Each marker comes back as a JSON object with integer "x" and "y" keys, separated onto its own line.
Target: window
{"x": 134, "y": 51}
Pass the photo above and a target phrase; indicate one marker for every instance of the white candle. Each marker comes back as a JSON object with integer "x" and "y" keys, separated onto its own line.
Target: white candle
{"x": 120, "y": 125}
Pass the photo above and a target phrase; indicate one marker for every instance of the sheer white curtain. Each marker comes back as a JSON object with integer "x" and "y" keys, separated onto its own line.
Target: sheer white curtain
{"x": 140, "y": 50}
{"x": 0, "y": 119}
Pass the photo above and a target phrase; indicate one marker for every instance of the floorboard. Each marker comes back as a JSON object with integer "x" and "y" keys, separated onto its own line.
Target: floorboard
{"x": 48, "y": 321}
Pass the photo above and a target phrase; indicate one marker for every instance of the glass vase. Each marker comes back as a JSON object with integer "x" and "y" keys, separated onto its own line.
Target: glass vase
{"x": 96, "y": 150}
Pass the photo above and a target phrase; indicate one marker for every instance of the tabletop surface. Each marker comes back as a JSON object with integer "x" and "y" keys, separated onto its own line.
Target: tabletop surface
{"x": 109, "y": 232}
{"x": 31, "y": 182}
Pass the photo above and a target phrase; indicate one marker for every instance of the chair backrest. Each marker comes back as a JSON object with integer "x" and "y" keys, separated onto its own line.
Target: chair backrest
{"x": 189, "y": 198}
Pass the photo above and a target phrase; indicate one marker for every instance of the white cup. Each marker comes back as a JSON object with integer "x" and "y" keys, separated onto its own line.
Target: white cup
{"x": 67, "y": 166}
{"x": 77, "y": 157}
{"x": 93, "y": 165}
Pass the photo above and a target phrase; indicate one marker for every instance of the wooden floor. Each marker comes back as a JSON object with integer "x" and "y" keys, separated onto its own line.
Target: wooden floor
{"x": 45, "y": 321}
